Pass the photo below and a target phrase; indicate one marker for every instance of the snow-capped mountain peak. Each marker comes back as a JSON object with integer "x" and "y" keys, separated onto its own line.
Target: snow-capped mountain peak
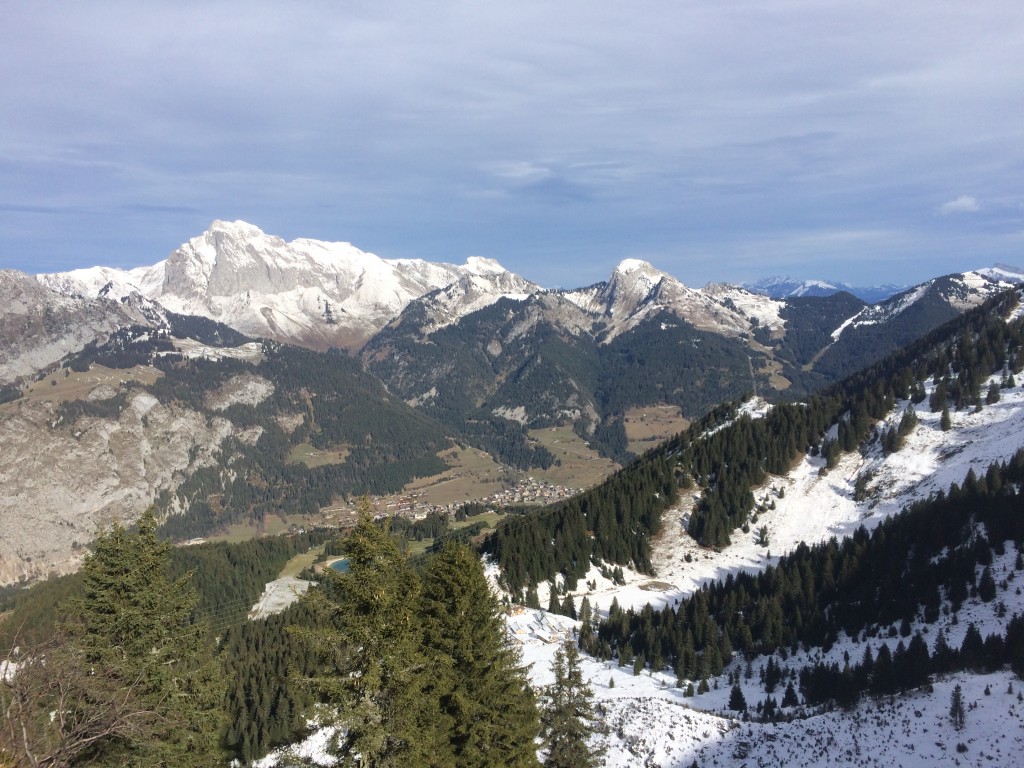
{"x": 478, "y": 265}
{"x": 312, "y": 292}
{"x": 632, "y": 283}
{"x": 1003, "y": 273}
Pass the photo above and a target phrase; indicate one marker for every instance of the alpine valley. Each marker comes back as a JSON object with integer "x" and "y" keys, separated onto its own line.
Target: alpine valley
{"x": 822, "y": 553}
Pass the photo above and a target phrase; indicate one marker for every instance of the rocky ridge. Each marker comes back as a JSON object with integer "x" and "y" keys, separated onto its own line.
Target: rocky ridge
{"x": 39, "y": 324}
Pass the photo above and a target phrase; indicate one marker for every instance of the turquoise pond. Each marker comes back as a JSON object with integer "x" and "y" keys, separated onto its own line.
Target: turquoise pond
{"x": 341, "y": 566}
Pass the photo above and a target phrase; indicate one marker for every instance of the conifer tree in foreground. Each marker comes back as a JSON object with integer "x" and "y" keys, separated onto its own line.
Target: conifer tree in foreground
{"x": 134, "y": 625}
{"x": 377, "y": 680}
{"x": 489, "y": 709}
{"x": 568, "y": 716}
{"x": 128, "y": 680}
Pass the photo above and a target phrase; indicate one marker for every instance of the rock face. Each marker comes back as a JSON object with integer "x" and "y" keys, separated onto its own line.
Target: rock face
{"x": 38, "y": 325}
{"x": 637, "y": 291}
{"x": 313, "y": 293}
{"x": 61, "y": 481}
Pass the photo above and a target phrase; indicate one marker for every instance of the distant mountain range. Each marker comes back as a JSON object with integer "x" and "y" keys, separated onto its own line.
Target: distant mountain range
{"x": 475, "y": 344}
{"x": 788, "y": 287}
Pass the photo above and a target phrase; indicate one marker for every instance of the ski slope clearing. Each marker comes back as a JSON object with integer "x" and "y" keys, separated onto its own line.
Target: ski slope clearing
{"x": 650, "y": 721}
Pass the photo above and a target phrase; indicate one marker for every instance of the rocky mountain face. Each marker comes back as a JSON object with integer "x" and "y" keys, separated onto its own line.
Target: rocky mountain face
{"x": 40, "y": 325}
{"x": 580, "y": 356}
{"x": 642, "y": 337}
{"x": 637, "y": 291}
{"x": 210, "y": 432}
{"x": 307, "y": 292}
{"x": 64, "y": 479}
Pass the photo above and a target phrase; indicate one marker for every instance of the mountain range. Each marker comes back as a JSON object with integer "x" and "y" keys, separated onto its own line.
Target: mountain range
{"x": 490, "y": 325}
{"x": 431, "y": 353}
{"x": 244, "y": 376}
{"x": 308, "y": 292}
{"x": 779, "y": 287}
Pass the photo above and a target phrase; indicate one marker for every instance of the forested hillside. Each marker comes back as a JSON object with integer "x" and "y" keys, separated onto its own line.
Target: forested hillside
{"x": 934, "y": 554}
{"x": 276, "y": 399}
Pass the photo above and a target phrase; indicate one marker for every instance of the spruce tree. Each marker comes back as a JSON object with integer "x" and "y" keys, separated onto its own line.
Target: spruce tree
{"x": 488, "y": 707}
{"x": 956, "y": 707}
{"x": 368, "y": 639}
{"x": 945, "y": 423}
{"x": 789, "y": 698}
{"x": 737, "y": 702}
{"x": 568, "y": 715}
{"x": 134, "y": 626}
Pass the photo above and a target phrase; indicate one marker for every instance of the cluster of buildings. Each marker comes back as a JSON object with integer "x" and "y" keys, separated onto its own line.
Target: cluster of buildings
{"x": 414, "y": 505}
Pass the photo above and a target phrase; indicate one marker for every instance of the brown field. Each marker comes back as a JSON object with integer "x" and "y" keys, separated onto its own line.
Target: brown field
{"x": 472, "y": 475}
{"x": 299, "y": 563}
{"x": 652, "y": 424}
{"x": 580, "y": 465}
{"x": 59, "y": 387}
{"x": 304, "y": 453}
{"x": 273, "y": 525}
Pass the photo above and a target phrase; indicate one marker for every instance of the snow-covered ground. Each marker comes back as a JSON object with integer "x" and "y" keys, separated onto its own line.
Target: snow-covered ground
{"x": 278, "y": 595}
{"x": 649, "y": 721}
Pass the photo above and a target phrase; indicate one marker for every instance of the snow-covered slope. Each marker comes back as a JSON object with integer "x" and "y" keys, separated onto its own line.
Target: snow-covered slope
{"x": 1004, "y": 273}
{"x": 960, "y": 291}
{"x": 310, "y": 292}
{"x": 484, "y": 283}
{"x": 651, "y": 722}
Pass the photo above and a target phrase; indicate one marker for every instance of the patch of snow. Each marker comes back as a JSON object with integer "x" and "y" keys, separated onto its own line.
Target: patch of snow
{"x": 278, "y": 595}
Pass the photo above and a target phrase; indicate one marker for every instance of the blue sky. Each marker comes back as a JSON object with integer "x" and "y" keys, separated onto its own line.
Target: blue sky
{"x": 860, "y": 141}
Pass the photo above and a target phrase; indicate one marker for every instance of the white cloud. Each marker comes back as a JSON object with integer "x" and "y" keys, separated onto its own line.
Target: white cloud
{"x": 963, "y": 204}
{"x": 519, "y": 171}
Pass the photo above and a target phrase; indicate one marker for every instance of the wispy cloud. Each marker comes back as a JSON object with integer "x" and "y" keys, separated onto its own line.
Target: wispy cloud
{"x": 962, "y": 204}
{"x": 544, "y": 134}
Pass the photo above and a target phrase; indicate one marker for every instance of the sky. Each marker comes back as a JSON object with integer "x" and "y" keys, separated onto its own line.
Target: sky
{"x": 868, "y": 142}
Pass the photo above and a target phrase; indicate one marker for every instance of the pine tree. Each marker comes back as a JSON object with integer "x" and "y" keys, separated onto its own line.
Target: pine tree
{"x": 482, "y": 687}
{"x": 789, "y": 698}
{"x": 737, "y": 702}
{"x": 568, "y": 716}
{"x": 945, "y": 423}
{"x": 956, "y": 707}
{"x": 367, "y": 637}
{"x": 134, "y": 625}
